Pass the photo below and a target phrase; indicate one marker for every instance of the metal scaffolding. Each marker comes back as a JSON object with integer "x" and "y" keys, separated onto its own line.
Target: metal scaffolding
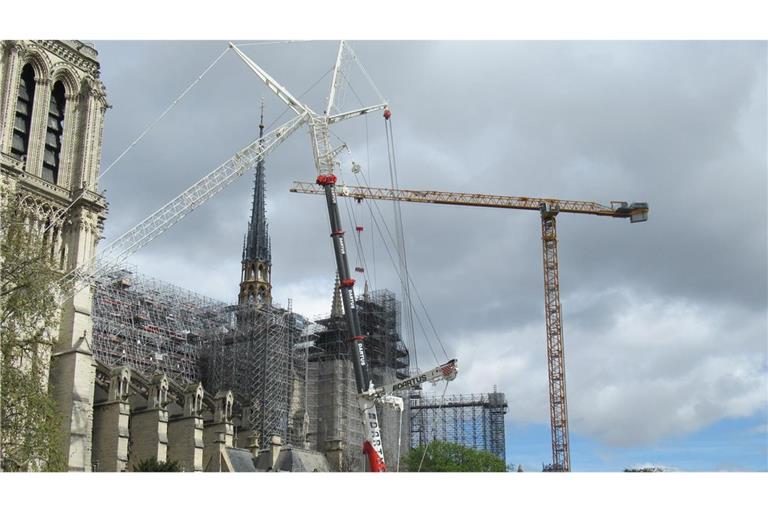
{"x": 334, "y": 416}
{"x": 250, "y": 351}
{"x": 379, "y": 313}
{"x": 152, "y": 326}
{"x": 149, "y": 325}
{"x": 475, "y": 421}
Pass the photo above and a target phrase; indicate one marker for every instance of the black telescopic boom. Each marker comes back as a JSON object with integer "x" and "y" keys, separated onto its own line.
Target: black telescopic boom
{"x": 362, "y": 378}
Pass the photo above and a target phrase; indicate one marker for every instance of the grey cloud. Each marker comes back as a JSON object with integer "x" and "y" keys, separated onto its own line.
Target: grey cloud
{"x": 681, "y": 125}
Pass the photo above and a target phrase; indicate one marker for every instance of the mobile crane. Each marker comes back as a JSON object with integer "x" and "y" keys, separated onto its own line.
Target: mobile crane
{"x": 548, "y": 209}
{"x": 113, "y": 255}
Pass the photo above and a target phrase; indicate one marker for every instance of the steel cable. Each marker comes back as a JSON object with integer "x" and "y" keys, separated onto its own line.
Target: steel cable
{"x": 141, "y": 135}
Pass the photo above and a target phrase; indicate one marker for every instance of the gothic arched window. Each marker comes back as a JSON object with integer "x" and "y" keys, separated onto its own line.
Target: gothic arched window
{"x": 54, "y": 132}
{"x": 23, "y": 118}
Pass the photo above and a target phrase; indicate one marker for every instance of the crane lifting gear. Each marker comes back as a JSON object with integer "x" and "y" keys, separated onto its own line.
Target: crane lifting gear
{"x": 392, "y": 401}
{"x": 548, "y": 210}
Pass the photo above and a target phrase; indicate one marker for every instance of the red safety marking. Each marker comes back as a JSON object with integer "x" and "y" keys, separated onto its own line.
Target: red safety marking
{"x": 337, "y": 233}
{"x": 387, "y": 113}
{"x": 358, "y": 338}
{"x": 347, "y": 283}
{"x": 358, "y": 228}
{"x": 375, "y": 462}
{"x": 326, "y": 179}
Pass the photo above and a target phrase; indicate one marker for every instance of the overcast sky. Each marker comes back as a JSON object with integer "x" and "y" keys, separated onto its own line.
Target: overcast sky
{"x": 665, "y": 322}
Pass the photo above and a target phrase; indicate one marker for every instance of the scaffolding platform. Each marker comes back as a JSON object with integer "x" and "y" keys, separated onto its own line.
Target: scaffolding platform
{"x": 334, "y": 414}
{"x": 150, "y": 325}
{"x": 250, "y": 350}
{"x": 471, "y": 420}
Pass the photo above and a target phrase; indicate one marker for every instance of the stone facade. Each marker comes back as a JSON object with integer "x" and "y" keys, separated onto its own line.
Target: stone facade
{"x": 138, "y": 417}
{"x": 185, "y": 432}
{"x": 52, "y": 106}
{"x": 149, "y": 425}
{"x": 111, "y": 425}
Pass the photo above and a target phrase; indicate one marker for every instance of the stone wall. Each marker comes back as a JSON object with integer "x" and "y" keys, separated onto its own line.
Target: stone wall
{"x": 75, "y": 234}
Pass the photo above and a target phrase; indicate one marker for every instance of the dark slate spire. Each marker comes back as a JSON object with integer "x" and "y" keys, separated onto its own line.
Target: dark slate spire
{"x": 257, "y": 245}
{"x": 336, "y": 303}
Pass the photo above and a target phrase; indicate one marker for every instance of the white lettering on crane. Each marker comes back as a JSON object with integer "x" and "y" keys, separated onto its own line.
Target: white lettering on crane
{"x": 409, "y": 382}
{"x": 361, "y": 353}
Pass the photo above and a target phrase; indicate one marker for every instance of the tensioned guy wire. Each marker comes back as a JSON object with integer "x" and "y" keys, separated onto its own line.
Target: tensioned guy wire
{"x": 159, "y": 118}
{"x": 290, "y": 41}
{"x": 141, "y": 135}
{"x": 392, "y": 241}
{"x": 165, "y": 112}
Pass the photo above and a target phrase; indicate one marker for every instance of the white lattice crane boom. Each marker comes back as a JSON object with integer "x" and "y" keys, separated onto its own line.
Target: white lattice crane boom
{"x": 446, "y": 371}
{"x": 111, "y": 256}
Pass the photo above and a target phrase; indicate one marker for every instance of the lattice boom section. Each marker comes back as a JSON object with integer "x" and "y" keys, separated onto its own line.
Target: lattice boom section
{"x": 475, "y": 420}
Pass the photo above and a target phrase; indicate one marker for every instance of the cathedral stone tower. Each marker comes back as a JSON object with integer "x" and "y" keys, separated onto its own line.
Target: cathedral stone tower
{"x": 52, "y": 106}
{"x": 256, "y": 277}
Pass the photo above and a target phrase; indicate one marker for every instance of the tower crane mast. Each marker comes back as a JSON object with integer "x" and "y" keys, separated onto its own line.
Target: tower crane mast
{"x": 548, "y": 210}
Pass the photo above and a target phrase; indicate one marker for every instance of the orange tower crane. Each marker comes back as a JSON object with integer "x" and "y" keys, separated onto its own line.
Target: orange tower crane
{"x": 548, "y": 209}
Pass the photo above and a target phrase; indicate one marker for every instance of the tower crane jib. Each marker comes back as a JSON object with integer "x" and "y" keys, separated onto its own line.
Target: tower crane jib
{"x": 548, "y": 210}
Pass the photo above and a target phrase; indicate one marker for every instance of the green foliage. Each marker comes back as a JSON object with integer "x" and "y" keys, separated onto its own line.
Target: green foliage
{"x": 30, "y": 438}
{"x": 153, "y": 466}
{"x": 442, "y": 456}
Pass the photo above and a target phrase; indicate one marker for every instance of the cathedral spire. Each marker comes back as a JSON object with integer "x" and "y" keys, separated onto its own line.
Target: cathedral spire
{"x": 257, "y": 245}
{"x": 336, "y": 304}
{"x": 255, "y": 283}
